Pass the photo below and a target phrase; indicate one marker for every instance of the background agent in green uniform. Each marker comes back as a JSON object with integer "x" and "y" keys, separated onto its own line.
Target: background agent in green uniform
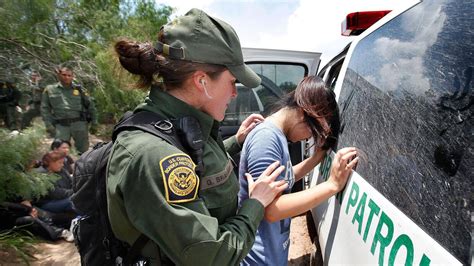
{"x": 152, "y": 186}
{"x": 10, "y": 110}
{"x": 34, "y": 104}
{"x": 63, "y": 110}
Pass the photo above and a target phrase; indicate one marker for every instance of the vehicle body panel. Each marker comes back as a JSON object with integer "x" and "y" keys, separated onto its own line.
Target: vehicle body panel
{"x": 362, "y": 221}
{"x": 405, "y": 95}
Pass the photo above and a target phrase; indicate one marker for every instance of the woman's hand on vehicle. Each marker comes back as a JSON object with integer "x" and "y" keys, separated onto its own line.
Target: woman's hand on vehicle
{"x": 265, "y": 188}
{"x": 344, "y": 160}
{"x": 247, "y": 125}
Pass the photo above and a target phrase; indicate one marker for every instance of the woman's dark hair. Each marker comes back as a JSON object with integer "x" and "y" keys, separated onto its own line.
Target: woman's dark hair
{"x": 144, "y": 60}
{"x": 320, "y": 109}
{"x": 65, "y": 68}
{"x": 58, "y": 142}
{"x": 50, "y": 157}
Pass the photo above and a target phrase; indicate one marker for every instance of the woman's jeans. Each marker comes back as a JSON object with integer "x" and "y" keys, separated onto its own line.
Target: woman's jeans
{"x": 62, "y": 205}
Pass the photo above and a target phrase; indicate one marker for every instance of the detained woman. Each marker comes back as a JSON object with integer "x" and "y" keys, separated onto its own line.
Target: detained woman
{"x": 309, "y": 111}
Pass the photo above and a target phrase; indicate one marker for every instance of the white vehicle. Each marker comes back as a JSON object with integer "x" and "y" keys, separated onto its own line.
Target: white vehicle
{"x": 405, "y": 93}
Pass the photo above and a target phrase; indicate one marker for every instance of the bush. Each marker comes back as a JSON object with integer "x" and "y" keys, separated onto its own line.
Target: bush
{"x": 16, "y": 157}
{"x": 116, "y": 95}
{"x": 18, "y": 181}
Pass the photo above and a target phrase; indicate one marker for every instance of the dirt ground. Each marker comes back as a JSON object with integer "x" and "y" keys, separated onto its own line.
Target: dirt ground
{"x": 300, "y": 246}
{"x": 47, "y": 253}
{"x": 65, "y": 253}
{"x": 56, "y": 254}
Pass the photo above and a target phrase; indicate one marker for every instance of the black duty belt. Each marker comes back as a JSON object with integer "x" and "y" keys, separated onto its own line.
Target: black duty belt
{"x": 68, "y": 121}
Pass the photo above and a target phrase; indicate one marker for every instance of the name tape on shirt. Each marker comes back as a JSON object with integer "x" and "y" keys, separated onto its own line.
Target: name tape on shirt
{"x": 179, "y": 178}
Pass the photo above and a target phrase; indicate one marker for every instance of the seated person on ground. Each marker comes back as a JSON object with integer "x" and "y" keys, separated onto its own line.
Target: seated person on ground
{"x": 64, "y": 146}
{"x": 58, "y": 199}
{"x": 39, "y": 222}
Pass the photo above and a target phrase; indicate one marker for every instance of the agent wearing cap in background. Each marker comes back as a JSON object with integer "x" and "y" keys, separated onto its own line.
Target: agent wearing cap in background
{"x": 153, "y": 188}
{"x": 10, "y": 110}
{"x": 67, "y": 110}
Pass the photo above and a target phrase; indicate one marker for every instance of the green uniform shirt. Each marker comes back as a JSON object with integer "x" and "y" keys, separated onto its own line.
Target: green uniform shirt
{"x": 36, "y": 93}
{"x": 64, "y": 103}
{"x": 191, "y": 229}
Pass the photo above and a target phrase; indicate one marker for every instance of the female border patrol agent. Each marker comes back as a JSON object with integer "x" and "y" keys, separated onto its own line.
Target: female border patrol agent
{"x": 192, "y": 221}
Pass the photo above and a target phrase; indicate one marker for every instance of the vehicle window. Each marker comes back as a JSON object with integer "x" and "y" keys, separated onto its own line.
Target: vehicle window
{"x": 321, "y": 74}
{"x": 246, "y": 103}
{"x": 285, "y": 76}
{"x": 277, "y": 80}
{"x": 334, "y": 74}
{"x": 407, "y": 102}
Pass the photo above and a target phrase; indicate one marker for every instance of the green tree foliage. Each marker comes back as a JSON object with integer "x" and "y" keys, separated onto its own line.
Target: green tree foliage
{"x": 16, "y": 156}
{"x": 43, "y": 34}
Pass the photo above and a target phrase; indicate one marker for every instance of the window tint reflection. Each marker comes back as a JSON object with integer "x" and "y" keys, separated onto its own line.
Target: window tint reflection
{"x": 277, "y": 80}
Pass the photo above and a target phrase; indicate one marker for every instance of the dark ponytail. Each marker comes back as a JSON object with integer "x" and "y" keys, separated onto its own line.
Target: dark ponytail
{"x": 144, "y": 60}
{"x": 139, "y": 59}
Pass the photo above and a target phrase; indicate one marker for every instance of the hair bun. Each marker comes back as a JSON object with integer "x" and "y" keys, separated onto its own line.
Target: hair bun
{"x": 136, "y": 58}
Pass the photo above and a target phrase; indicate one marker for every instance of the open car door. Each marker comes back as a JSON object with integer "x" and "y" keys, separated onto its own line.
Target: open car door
{"x": 280, "y": 71}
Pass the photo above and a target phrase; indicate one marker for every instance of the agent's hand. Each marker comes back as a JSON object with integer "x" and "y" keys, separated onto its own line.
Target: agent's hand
{"x": 247, "y": 125}
{"x": 265, "y": 188}
{"x": 341, "y": 167}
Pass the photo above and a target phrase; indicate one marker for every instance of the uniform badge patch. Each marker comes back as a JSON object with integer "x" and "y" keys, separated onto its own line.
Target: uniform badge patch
{"x": 180, "y": 180}
{"x": 75, "y": 92}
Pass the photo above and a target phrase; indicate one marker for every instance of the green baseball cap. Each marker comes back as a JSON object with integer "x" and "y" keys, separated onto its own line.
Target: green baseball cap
{"x": 200, "y": 38}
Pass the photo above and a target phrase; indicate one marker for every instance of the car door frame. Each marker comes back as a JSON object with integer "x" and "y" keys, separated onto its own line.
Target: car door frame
{"x": 310, "y": 60}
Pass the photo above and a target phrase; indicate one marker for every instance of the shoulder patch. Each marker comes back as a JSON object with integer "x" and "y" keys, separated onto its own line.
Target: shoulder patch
{"x": 179, "y": 178}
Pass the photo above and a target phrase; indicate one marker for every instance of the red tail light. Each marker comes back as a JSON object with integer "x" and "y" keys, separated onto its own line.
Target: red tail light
{"x": 355, "y": 23}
